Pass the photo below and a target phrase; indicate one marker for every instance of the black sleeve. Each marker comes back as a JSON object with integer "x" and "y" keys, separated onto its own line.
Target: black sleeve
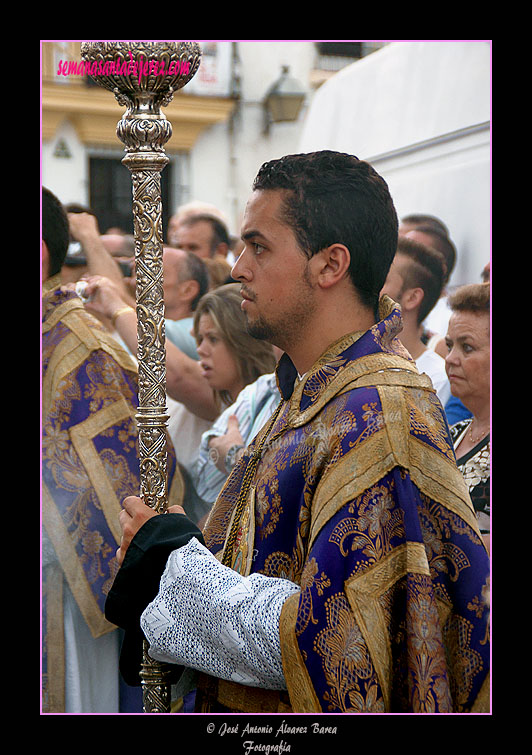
{"x": 137, "y": 582}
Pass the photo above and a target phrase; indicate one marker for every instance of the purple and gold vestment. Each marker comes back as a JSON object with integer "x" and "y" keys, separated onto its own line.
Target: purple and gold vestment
{"x": 89, "y": 465}
{"x": 352, "y": 492}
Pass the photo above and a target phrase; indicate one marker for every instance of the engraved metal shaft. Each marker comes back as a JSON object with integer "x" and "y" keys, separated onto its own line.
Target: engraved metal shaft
{"x": 151, "y": 353}
{"x": 143, "y": 77}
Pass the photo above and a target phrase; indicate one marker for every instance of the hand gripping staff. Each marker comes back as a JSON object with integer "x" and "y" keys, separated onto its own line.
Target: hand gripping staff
{"x": 143, "y": 76}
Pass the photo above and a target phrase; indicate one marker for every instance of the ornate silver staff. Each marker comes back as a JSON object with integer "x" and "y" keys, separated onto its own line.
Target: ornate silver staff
{"x": 143, "y": 76}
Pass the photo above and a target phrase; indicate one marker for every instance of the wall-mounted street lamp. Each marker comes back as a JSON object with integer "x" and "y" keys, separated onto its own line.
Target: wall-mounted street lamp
{"x": 283, "y": 100}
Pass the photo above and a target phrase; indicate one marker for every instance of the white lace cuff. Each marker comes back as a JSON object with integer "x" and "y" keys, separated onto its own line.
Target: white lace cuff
{"x": 210, "y": 618}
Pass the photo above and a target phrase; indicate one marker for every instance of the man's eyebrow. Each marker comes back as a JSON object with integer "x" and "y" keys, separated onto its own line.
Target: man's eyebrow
{"x": 252, "y": 235}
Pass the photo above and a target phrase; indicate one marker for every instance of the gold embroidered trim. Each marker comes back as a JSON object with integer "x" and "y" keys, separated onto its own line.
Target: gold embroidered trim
{"x": 395, "y": 376}
{"x": 435, "y": 474}
{"x": 55, "y": 641}
{"x": 82, "y": 436}
{"x": 482, "y": 703}
{"x": 338, "y": 347}
{"x": 440, "y": 479}
{"x": 303, "y": 698}
{"x": 71, "y": 354}
{"x": 364, "y": 592}
{"x": 246, "y": 537}
{"x": 68, "y": 558}
{"x": 433, "y": 471}
{"x": 356, "y": 471}
{"x": 373, "y": 366}
{"x": 243, "y": 699}
{"x": 67, "y": 356}
{"x": 89, "y": 332}
{"x": 229, "y": 556}
{"x": 51, "y": 283}
{"x": 61, "y": 311}
{"x": 176, "y": 493}
{"x": 98, "y": 338}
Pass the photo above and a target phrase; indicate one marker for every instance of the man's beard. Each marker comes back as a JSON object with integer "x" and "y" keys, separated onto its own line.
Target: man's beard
{"x": 290, "y": 326}
{"x": 261, "y": 330}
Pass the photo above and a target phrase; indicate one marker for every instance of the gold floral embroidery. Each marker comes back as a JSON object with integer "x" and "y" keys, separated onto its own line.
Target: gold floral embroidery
{"x": 70, "y": 475}
{"x": 388, "y": 340}
{"x": 318, "y": 444}
{"x": 346, "y": 661}
{"x": 373, "y": 417}
{"x": 374, "y": 421}
{"x": 103, "y": 388}
{"x": 425, "y": 650}
{"x": 55, "y": 442}
{"x": 465, "y": 662}
{"x": 425, "y": 419}
{"x": 318, "y": 380}
{"x": 321, "y": 443}
{"x": 438, "y": 525}
{"x": 268, "y": 500}
{"x": 280, "y": 565}
{"x": 66, "y": 392}
{"x": 479, "y": 604}
{"x": 377, "y": 521}
{"x": 118, "y": 472}
{"x": 308, "y": 581}
{"x": 94, "y": 552}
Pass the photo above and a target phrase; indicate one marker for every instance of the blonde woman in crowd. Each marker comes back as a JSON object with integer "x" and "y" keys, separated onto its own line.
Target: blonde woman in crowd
{"x": 230, "y": 358}
{"x": 197, "y": 384}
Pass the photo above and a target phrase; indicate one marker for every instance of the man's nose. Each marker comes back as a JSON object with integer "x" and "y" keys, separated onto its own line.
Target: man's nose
{"x": 240, "y": 269}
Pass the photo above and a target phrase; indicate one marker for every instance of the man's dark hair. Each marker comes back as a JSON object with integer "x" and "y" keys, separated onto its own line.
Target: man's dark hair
{"x": 55, "y": 230}
{"x": 220, "y": 234}
{"x": 196, "y": 269}
{"x": 76, "y": 207}
{"x": 426, "y": 271}
{"x": 332, "y": 197}
{"x": 443, "y": 244}
{"x": 418, "y": 219}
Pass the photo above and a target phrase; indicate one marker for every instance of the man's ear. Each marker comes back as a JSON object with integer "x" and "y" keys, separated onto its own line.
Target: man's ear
{"x": 331, "y": 265}
{"x": 189, "y": 290}
{"x": 412, "y": 298}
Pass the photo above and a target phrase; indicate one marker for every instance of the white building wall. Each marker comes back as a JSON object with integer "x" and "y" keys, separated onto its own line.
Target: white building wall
{"x": 66, "y": 177}
{"x": 420, "y": 113}
{"x": 226, "y": 158}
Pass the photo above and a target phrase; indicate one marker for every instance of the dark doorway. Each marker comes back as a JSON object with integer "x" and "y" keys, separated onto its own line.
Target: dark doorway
{"x": 111, "y": 197}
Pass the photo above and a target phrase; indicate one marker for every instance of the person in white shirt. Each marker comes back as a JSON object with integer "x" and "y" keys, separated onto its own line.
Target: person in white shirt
{"x": 415, "y": 281}
{"x": 222, "y": 444}
{"x": 433, "y": 233}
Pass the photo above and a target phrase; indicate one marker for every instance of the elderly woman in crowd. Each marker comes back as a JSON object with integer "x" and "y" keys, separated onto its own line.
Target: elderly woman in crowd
{"x": 468, "y": 368}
